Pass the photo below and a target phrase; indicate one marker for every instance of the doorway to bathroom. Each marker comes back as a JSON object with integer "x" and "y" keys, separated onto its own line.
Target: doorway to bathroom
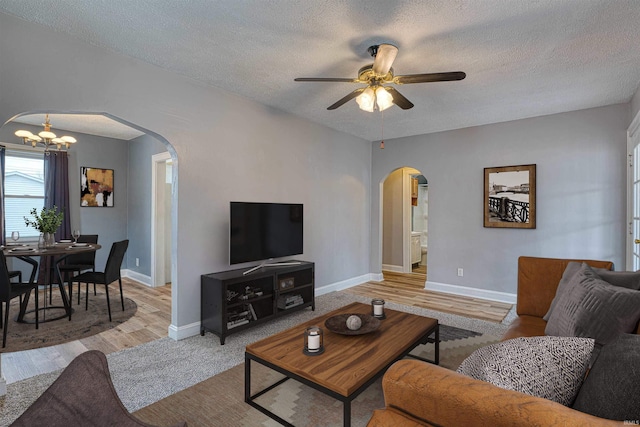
{"x": 404, "y": 211}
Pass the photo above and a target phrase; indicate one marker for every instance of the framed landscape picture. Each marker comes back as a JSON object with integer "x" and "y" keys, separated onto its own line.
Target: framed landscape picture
{"x": 510, "y": 197}
{"x": 96, "y": 187}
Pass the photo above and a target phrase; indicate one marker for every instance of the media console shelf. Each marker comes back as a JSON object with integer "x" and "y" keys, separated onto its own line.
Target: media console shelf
{"x": 231, "y": 301}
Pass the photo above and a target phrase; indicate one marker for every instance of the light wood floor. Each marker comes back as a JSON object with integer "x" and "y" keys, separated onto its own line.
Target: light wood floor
{"x": 151, "y": 321}
{"x": 408, "y": 289}
{"x": 153, "y": 318}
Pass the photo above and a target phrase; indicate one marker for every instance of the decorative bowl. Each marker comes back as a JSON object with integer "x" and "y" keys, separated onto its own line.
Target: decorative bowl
{"x": 338, "y": 324}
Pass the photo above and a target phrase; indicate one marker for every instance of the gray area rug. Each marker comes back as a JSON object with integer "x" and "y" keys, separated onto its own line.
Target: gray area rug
{"x": 149, "y": 372}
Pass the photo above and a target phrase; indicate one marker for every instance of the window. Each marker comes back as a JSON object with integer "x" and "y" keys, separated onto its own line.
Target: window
{"x": 23, "y": 190}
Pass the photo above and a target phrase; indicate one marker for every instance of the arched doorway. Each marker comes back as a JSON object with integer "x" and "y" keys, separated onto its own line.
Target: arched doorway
{"x": 143, "y": 254}
{"x": 404, "y": 211}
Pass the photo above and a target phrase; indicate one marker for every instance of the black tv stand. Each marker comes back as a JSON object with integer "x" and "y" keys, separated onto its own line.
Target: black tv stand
{"x": 271, "y": 264}
{"x": 232, "y": 301}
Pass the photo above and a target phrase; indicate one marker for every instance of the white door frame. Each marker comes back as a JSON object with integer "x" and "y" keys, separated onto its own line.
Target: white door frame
{"x": 406, "y": 220}
{"x": 157, "y": 219}
{"x": 633, "y": 139}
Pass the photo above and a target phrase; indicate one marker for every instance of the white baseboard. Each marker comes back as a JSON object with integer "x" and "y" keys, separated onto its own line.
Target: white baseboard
{"x": 181, "y": 332}
{"x": 394, "y": 268}
{"x": 138, "y": 277}
{"x": 338, "y": 286}
{"x": 472, "y": 292}
{"x": 3, "y": 386}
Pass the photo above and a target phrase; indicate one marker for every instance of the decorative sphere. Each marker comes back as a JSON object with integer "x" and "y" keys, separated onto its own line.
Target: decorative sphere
{"x": 354, "y": 322}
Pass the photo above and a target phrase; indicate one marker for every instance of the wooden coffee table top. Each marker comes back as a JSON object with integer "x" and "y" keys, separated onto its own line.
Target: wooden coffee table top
{"x": 348, "y": 362}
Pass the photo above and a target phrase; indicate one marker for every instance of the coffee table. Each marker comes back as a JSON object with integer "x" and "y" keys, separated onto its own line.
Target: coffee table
{"x": 349, "y": 364}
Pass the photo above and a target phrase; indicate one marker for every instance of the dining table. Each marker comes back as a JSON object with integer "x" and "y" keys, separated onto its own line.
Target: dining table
{"x": 55, "y": 254}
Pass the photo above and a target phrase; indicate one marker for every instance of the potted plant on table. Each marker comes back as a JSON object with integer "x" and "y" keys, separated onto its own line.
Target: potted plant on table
{"x": 46, "y": 222}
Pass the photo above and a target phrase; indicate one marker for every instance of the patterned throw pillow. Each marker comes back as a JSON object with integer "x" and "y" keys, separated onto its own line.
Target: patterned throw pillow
{"x": 549, "y": 367}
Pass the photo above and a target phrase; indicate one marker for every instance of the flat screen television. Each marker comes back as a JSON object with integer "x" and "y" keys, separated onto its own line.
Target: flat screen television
{"x": 262, "y": 231}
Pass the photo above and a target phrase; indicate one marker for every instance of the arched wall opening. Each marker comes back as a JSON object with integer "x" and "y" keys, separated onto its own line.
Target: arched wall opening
{"x": 133, "y": 187}
{"x": 403, "y": 221}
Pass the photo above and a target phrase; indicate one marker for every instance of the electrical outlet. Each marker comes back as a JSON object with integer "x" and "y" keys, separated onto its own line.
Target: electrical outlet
{"x": 138, "y": 265}
{"x": 460, "y": 272}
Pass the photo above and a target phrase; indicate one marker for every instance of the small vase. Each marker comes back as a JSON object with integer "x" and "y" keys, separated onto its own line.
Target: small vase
{"x": 49, "y": 240}
{"x": 41, "y": 241}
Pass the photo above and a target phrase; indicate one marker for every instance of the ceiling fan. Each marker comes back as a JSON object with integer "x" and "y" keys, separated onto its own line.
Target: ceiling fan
{"x": 375, "y": 95}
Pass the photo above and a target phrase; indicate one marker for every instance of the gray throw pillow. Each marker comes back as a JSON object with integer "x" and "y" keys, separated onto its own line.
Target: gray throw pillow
{"x": 612, "y": 388}
{"x": 549, "y": 367}
{"x": 570, "y": 271}
{"x": 624, "y": 279}
{"x": 593, "y": 308}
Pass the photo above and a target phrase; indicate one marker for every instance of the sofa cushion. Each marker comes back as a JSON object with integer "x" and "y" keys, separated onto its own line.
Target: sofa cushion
{"x": 591, "y": 307}
{"x": 612, "y": 388}
{"x": 549, "y": 367}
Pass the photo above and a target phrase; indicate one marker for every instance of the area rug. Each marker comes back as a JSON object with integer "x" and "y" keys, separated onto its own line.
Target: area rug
{"x": 219, "y": 401}
{"x": 148, "y": 373}
{"x": 84, "y": 323}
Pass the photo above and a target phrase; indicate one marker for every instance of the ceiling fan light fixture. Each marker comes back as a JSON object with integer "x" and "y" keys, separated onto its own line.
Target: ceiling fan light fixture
{"x": 366, "y": 100}
{"x": 383, "y": 98}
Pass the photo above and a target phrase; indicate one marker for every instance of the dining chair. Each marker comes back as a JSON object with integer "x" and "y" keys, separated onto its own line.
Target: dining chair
{"x": 111, "y": 274}
{"x": 9, "y": 290}
{"x": 79, "y": 263}
{"x": 12, "y": 274}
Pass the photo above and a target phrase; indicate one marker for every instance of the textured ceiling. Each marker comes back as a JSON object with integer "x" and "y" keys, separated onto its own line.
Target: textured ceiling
{"x": 522, "y": 58}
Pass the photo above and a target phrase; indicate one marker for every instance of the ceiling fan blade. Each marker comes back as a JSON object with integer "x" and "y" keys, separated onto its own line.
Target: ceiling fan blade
{"x": 347, "y": 98}
{"x": 325, "y": 79}
{"x": 427, "y": 78}
{"x": 384, "y": 59}
{"x": 399, "y": 99}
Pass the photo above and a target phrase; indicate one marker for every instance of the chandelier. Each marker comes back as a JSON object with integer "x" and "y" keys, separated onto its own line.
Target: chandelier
{"x": 46, "y": 138}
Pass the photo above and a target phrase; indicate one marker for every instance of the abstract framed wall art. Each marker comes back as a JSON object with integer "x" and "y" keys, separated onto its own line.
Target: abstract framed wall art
{"x": 96, "y": 187}
{"x": 510, "y": 197}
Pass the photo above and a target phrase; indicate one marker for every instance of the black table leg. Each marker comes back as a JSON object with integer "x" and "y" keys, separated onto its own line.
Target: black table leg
{"x": 346, "y": 416}
{"x": 63, "y": 292}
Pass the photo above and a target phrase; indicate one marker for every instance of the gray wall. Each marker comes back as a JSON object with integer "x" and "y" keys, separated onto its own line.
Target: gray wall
{"x": 581, "y": 193}
{"x": 225, "y": 148}
{"x": 139, "y": 216}
{"x": 110, "y": 224}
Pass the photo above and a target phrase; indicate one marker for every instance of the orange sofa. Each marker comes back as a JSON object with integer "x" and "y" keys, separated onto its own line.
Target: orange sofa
{"x": 421, "y": 394}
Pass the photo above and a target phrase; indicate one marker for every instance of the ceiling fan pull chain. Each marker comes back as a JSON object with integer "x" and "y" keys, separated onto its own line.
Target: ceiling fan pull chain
{"x": 382, "y": 130}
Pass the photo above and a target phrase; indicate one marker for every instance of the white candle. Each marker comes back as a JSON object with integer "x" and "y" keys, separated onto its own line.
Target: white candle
{"x": 377, "y": 309}
{"x": 313, "y": 342}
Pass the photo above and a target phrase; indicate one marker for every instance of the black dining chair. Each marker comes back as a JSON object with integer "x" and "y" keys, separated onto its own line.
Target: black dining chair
{"x": 79, "y": 263}
{"x": 9, "y": 290}
{"x": 12, "y": 274}
{"x": 111, "y": 274}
